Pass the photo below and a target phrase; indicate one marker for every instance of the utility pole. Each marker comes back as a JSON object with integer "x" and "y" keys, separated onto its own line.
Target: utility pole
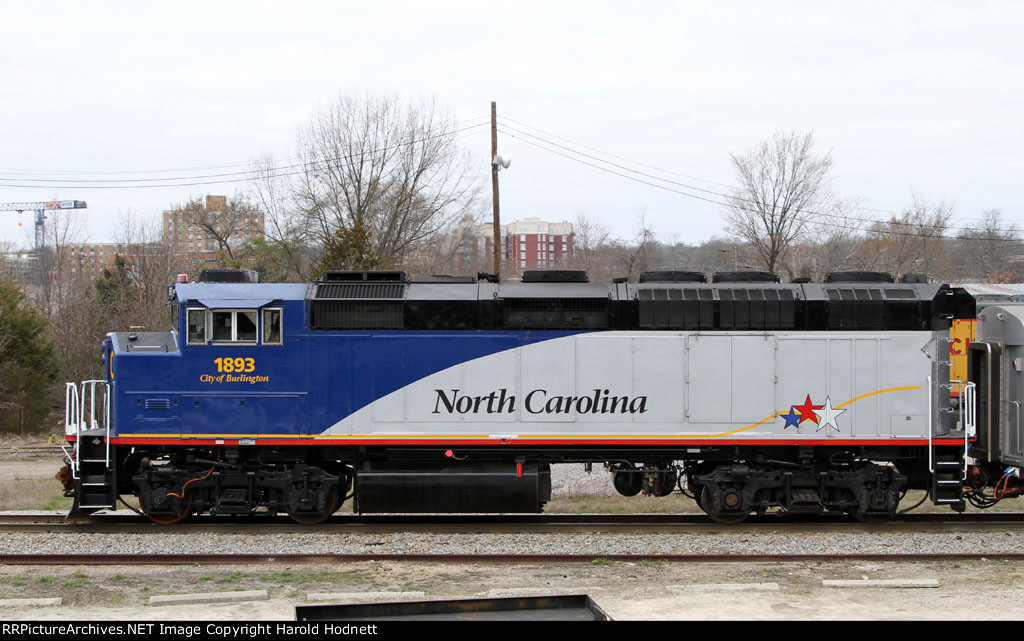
{"x": 494, "y": 189}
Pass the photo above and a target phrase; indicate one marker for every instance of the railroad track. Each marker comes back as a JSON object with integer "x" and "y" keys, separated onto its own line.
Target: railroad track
{"x": 30, "y": 452}
{"x": 250, "y": 559}
{"x": 601, "y": 539}
{"x": 351, "y": 523}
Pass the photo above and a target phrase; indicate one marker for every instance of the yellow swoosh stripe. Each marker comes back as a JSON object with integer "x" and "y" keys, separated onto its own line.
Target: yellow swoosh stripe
{"x": 881, "y": 391}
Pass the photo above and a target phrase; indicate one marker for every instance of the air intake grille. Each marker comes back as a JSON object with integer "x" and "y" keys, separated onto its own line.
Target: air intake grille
{"x": 359, "y": 290}
{"x": 357, "y": 305}
{"x": 756, "y": 308}
{"x": 676, "y": 308}
{"x": 855, "y": 308}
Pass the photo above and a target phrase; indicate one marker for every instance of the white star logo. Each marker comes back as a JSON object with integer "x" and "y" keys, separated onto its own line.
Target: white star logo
{"x": 829, "y": 415}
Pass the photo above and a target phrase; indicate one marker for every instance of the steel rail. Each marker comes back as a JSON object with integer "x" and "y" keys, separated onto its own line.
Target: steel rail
{"x": 255, "y": 559}
{"x": 694, "y": 525}
{"x": 348, "y": 519}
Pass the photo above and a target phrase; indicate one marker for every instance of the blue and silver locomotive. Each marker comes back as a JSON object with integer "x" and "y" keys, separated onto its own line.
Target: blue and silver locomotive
{"x": 452, "y": 394}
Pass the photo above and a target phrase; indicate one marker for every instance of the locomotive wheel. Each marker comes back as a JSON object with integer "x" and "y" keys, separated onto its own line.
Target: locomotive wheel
{"x": 627, "y": 482}
{"x": 166, "y": 519}
{"x": 313, "y": 518}
{"x": 698, "y": 497}
{"x": 725, "y": 518}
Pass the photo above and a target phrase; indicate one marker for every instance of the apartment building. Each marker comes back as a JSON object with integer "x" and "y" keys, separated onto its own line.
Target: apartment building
{"x": 526, "y": 244}
{"x": 200, "y": 231}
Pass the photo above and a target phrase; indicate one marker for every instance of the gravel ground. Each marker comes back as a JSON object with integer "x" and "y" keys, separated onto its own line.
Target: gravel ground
{"x": 625, "y": 590}
{"x": 596, "y": 544}
{"x": 573, "y": 481}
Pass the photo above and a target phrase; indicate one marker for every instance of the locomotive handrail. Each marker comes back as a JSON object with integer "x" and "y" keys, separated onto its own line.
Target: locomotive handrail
{"x": 971, "y": 427}
{"x": 970, "y": 392}
{"x": 968, "y": 413}
{"x": 70, "y": 408}
{"x": 71, "y": 418}
{"x": 931, "y": 430}
{"x": 92, "y": 424}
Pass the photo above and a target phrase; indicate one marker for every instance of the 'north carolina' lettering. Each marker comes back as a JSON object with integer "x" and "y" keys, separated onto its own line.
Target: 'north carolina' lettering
{"x": 538, "y": 401}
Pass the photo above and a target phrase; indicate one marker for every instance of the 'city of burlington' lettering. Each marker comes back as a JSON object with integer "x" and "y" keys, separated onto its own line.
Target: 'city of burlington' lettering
{"x": 539, "y": 401}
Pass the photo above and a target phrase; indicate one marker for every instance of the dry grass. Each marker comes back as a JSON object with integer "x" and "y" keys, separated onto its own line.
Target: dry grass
{"x": 14, "y": 440}
{"x": 33, "y": 494}
{"x": 672, "y": 504}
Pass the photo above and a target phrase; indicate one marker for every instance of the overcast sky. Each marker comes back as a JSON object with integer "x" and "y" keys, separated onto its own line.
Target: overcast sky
{"x": 909, "y": 97}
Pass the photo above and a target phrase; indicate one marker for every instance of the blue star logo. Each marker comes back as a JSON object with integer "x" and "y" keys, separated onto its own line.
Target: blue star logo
{"x": 792, "y": 418}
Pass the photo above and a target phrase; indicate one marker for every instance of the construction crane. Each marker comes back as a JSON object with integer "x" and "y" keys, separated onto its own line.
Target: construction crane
{"x": 41, "y": 208}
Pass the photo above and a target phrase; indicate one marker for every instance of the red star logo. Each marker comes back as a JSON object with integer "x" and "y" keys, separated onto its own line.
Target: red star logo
{"x": 807, "y": 411}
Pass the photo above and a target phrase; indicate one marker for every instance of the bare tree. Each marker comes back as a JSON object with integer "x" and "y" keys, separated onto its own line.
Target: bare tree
{"x": 150, "y": 266}
{"x": 63, "y": 231}
{"x": 285, "y": 237}
{"x": 913, "y": 242}
{"x": 985, "y": 248}
{"x": 449, "y": 252}
{"x": 781, "y": 183}
{"x": 375, "y": 163}
{"x": 226, "y": 221}
{"x": 589, "y": 236}
{"x": 829, "y": 244}
{"x": 620, "y": 258}
{"x": 717, "y": 254}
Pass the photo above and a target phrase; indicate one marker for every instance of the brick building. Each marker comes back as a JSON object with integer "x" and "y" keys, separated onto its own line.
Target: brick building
{"x": 527, "y": 244}
{"x": 197, "y": 231}
{"x": 87, "y": 259}
{"x": 536, "y": 244}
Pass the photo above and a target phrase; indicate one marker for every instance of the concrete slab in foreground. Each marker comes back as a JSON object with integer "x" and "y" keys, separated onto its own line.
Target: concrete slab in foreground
{"x": 15, "y": 603}
{"x": 209, "y": 597}
{"x": 724, "y": 587}
{"x": 362, "y": 596}
{"x": 500, "y": 593}
{"x": 880, "y": 583}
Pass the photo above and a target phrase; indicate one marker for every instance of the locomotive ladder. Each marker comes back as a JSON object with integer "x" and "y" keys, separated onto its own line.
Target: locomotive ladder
{"x": 90, "y": 463}
{"x": 948, "y": 464}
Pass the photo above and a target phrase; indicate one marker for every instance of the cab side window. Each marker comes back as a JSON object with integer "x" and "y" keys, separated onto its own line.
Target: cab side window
{"x": 242, "y": 326}
{"x": 222, "y": 325}
{"x": 245, "y": 327}
{"x": 197, "y": 327}
{"x": 234, "y": 326}
{"x": 271, "y": 326}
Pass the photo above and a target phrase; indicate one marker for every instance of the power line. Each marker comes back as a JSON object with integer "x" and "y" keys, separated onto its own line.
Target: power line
{"x": 731, "y": 197}
{"x": 579, "y": 144}
{"x": 5, "y": 170}
{"x": 505, "y": 131}
{"x": 275, "y": 172}
{"x": 668, "y": 171}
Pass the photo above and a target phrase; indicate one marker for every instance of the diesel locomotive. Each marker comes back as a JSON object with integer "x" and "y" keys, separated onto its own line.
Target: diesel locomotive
{"x": 458, "y": 394}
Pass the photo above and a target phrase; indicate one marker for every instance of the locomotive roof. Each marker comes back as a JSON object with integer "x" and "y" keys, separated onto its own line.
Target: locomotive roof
{"x": 239, "y": 294}
{"x": 258, "y": 294}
